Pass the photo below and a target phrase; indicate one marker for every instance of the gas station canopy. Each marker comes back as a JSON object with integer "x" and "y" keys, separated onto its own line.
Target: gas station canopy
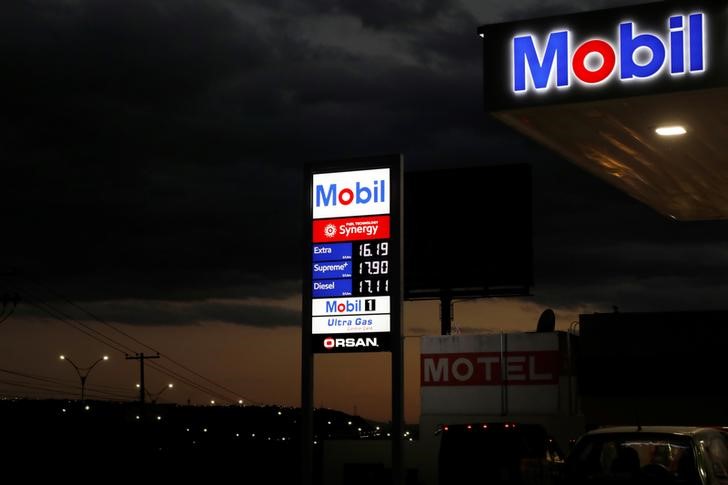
{"x": 637, "y": 96}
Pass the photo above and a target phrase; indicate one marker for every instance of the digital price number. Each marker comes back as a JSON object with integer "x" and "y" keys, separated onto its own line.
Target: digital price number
{"x": 372, "y": 268}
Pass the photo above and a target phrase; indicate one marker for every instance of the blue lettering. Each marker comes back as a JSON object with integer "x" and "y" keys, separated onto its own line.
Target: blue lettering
{"x": 696, "y": 42}
{"x": 524, "y": 52}
{"x": 677, "y": 47}
{"x": 628, "y": 45}
{"x": 362, "y": 190}
{"x": 329, "y": 198}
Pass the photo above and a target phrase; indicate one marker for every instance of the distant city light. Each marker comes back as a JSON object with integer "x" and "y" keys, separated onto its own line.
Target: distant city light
{"x": 64, "y": 410}
{"x": 106, "y": 357}
{"x": 349, "y": 423}
{"x": 240, "y": 401}
{"x": 204, "y": 430}
{"x": 159, "y": 418}
{"x": 280, "y": 413}
{"x": 329, "y": 422}
{"x": 212, "y": 402}
{"x": 87, "y": 407}
{"x": 138, "y": 417}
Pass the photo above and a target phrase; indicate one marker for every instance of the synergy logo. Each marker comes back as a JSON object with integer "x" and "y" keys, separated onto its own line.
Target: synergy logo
{"x": 636, "y": 55}
{"x": 351, "y": 229}
{"x": 331, "y": 343}
{"x": 356, "y": 193}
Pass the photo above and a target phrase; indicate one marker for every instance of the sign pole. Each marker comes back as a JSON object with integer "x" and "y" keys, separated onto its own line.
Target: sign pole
{"x": 352, "y": 279}
{"x": 307, "y": 357}
{"x": 307, "y": 412}
{"x": 398, "y": 476}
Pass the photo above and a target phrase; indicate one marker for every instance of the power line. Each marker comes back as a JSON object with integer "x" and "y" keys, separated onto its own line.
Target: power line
{"x": 134, "y": 339}
{"x": 60, "y": 381}
{"x": 74, "y": 323}
{"x": 8, "y": 311}
{"x": 158, "y": 367}
{"x": 56, "y": 390}
{"x": 68, "y": 322}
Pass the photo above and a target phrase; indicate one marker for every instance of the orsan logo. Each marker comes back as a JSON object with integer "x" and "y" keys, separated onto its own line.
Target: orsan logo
{"x": 331, "y": 343}
{"x": 357, "y": 193}
{"x": 632, "y": 55}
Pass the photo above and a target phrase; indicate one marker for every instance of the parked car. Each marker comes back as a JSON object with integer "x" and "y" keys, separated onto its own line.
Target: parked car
{"x": 649, "y": 455}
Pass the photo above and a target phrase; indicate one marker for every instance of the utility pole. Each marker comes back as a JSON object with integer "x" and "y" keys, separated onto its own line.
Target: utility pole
{"x": 141, "y": 357}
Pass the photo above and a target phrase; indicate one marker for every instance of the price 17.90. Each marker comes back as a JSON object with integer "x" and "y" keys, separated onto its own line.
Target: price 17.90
{"x": 373, "y": 267}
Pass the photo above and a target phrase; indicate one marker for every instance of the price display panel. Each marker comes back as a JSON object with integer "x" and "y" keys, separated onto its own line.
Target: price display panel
{"x": 355, "y": 256}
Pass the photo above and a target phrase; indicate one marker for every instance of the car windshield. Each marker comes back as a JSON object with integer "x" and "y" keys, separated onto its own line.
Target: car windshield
{"x": 633, "y": 459}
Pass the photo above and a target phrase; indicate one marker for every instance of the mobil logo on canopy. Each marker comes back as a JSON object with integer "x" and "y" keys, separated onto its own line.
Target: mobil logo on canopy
{"x": 628, "y": 54}
{"x": 354, "y": 193}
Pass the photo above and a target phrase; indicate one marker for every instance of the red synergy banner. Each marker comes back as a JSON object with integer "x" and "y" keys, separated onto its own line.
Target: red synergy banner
{"x": 351, "y": 229}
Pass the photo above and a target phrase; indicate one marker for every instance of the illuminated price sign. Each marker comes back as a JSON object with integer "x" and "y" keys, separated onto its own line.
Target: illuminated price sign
{"x": 354, "y": 250}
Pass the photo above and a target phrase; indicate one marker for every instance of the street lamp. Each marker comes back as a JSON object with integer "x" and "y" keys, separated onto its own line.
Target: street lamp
{"x": 83, "y": 372}
{"x": 154, "y": 397}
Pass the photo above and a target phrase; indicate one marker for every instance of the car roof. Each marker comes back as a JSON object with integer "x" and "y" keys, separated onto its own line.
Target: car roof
{"x": 676, "y": 430}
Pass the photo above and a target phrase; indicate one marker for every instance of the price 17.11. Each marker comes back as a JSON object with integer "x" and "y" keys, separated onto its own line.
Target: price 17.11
{"x": 373, "y": 286}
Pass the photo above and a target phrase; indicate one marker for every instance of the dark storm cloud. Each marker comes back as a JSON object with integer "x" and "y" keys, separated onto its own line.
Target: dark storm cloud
{"x": 532, "y": 9}
{"x": 164, "y": 313}
{"x": 155, "y": 146}
{"x": 197, "y": 312}
{"x": 150, "y": 142}
{"x": 375, "y": 14}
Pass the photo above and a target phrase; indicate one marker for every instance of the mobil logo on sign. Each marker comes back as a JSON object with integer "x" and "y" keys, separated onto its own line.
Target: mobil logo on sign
{"x": 350, "y": 306}
{"x": 631, "y": 54}
{"x": 355, "y": 193}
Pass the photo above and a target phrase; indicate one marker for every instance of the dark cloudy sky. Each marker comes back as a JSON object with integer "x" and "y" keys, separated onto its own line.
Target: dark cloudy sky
{"x": 152, "y": 156}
